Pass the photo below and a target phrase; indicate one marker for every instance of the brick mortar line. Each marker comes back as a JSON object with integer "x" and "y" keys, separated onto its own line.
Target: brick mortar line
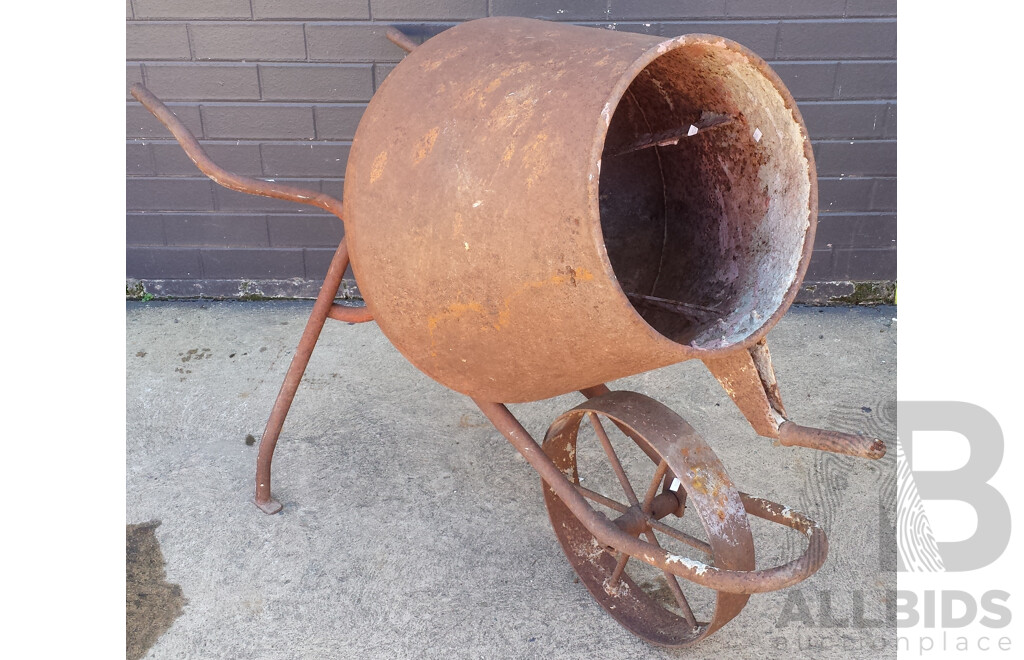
{"x": 316, "y": 131}
{"x": 831, "y": 99}
{"x": 356, "y": 63}
{"x": 259, "y": 75}
{"x": 817, "y": 100}
{"x": 833, "y": 60}
{"x": 854, "y": 248}
{"x": 268, "y": 104}
{"x": 213, "y": 248}
{"x": 202, "y": 264}
{"x": 363, "y": 104}
{"x": 162, "y": 214}
{"x": 210, "y": 248}
{"x": 320, "y": 214}
{"x": 264, "y": 248}
{"x": 867, "y": 101}
{"x": 250, "y": 62}
{"x": 828, "y": 177}
{"x": 879, "y": 214}
{"x": 343, "y": 143}
{"x": 248, "y": 141}
{"x": 191, "y": 47}
{"x": 190, "y": 177}
{"x": 857, "y": 140}
{"x": 399, "y": 22}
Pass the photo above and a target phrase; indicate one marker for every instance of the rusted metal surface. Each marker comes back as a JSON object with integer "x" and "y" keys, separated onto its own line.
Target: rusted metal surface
{"x": 766, "y": 372}
{"x": 322, "y": 309}
{"x": 534, "y": 208}
{"x": 609, "y": 535}
{"x": 221, "y": 176}
{"x": 400, "y": 39}
{"x": 495, "y": 243}
{"x": 710, "y": 495}
{"x": 748, "y": 377}
{"x": 739, "y": 377}
{"x": 794, "y": 435}
{"x": 349, "y": 313}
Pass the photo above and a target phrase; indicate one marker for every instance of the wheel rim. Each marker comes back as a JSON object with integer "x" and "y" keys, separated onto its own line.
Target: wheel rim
{"x": 648, "y": 507}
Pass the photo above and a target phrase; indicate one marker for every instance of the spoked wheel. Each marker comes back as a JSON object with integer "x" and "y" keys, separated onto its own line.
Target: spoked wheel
{"x": 646, "y": 493}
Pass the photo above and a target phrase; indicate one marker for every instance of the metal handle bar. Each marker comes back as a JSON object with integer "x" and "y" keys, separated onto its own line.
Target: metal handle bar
{"x": 219, "y": 175}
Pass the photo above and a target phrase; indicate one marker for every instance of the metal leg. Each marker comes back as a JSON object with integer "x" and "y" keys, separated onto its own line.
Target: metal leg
{"x": 314, "y": 325}
{"x": 324, "y": 306}
{"x": 749, "y": 379}
{"x": 596, "y": 390}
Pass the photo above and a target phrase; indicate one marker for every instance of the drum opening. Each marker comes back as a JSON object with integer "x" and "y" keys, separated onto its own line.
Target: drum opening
{"x": 704, "y": 194}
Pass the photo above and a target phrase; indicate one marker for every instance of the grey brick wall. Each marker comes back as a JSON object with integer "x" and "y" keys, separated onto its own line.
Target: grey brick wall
{"x": 275, "y": 88}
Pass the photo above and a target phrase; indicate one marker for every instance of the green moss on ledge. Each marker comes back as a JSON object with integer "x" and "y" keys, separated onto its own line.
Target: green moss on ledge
{"x": 868, "y": 293}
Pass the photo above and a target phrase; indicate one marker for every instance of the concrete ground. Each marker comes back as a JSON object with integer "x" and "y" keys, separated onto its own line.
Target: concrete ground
{"x": 411, "y": 528}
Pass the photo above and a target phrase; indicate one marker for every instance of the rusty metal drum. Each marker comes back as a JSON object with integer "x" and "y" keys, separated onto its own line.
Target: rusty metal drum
{"x": 534, "y": 208}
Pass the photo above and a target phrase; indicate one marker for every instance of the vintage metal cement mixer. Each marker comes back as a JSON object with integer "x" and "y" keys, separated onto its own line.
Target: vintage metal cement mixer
{"x": 533, "y": 208}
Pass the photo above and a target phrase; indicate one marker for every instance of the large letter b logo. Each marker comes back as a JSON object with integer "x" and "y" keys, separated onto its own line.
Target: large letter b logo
{"x": 967, "y": 484}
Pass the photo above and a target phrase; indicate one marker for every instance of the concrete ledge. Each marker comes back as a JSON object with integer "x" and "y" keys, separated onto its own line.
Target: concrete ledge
{"x": 811, "y": 293}
{"x": 847, "y": 293}
{"x": 293, "y": 289}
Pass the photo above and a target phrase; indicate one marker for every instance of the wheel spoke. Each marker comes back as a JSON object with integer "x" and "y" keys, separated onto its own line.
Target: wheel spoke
{"x": 684, "y": 605}
{"x": 677, "y": 591}
{"x": 653, "y": 488}
{"x": 601, "y": 499}
{"x": 620, "y": 566}
{"x": 613, "y": 458}
{"x": 681, "y": 536}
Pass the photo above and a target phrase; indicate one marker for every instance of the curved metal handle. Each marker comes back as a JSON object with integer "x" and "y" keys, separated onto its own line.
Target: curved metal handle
{"x": 400, "y": 39}
{"x": 862, "y": 446}
{"x": 221, "y": 176}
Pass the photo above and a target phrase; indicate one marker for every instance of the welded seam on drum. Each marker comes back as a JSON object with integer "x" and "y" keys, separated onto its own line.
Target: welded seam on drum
{"x": 664, "y": 193}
